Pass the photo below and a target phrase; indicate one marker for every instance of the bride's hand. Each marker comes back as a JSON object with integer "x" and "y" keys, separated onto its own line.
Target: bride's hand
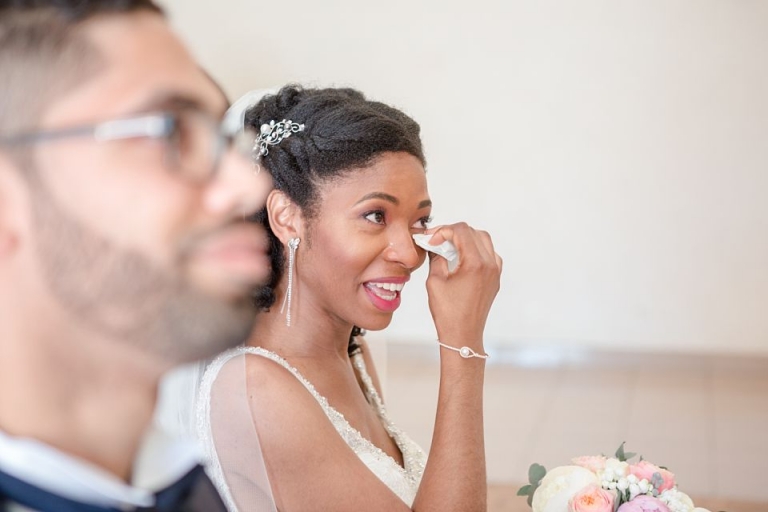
{"x": 460, "y": 300}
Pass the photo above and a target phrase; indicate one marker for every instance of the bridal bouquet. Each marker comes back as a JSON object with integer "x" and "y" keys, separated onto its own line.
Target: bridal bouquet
{"x": 603, "y": 484}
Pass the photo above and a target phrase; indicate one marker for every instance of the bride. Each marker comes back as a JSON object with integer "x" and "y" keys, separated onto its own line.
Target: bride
{"x": 295, "y": 420}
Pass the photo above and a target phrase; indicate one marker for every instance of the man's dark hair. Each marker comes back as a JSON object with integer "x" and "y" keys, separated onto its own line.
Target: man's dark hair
{"x": 343, "y": 131}
{"x": 43, "y": 53}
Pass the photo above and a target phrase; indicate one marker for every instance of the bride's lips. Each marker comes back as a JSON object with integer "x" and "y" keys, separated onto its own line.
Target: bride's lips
{"x": 239, "y": 252}
{"x": 384, "y": 293}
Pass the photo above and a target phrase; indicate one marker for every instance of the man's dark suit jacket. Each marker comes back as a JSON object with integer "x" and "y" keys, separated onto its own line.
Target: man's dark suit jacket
{"x": 193, "y": 493}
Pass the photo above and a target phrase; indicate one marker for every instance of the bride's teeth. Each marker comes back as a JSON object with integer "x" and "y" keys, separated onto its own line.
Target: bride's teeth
{"x": 392, "y": 287}
{"x": 387, "y": 291}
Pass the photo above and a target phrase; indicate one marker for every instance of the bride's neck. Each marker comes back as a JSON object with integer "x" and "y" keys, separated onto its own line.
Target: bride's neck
{"x": 312, "y": 333}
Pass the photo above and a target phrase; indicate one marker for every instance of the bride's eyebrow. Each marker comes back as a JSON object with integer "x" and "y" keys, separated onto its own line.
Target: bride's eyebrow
{"x": 392, "y": 199}
{"x": 379, "y": 195}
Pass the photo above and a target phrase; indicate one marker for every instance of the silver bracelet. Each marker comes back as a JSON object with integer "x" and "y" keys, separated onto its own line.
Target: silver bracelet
{"x": 464, "y": 352}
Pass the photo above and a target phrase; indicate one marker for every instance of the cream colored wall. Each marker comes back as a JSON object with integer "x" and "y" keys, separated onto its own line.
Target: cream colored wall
{"x": 617, "y": 151}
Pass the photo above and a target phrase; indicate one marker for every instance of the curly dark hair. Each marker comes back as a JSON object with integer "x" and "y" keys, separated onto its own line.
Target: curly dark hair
{"x": 343, "y": 131}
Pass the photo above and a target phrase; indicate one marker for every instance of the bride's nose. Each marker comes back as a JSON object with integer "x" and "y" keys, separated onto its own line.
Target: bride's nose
{"x": 402, "y": 250}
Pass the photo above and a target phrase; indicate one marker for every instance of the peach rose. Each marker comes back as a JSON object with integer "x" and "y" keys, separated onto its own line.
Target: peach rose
{"x": 594, "y": 463}
{"x": 644, "y": 503}
{"x": 592, "y": 498}
{"x": 646, "y": 470}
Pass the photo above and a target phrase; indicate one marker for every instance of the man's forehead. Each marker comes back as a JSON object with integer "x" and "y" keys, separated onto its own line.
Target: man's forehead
{"x": 143, "y": 66}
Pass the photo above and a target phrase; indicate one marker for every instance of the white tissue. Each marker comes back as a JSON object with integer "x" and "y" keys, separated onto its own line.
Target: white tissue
{"x": 446, "y": 249}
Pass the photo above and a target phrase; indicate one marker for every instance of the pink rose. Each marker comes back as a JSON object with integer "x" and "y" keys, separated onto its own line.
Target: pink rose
{"x": 646, "y": 470}
{"x": 594, "y": 463}
{"x": 592, "y": 498}
{"x": 644, "y": 503}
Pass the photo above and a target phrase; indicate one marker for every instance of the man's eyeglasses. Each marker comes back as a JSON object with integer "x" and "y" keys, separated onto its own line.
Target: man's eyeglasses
{"x": 194, "y": 141}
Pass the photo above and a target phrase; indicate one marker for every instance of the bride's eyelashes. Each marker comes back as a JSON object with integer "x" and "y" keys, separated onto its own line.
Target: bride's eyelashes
{"x": 379, "y": 217}
{"x": 375, "y": 217}
{"x": 423, "y": 223}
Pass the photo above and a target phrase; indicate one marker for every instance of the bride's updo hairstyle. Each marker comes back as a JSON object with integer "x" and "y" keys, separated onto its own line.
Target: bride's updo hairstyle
{"x": 343, "y": 131}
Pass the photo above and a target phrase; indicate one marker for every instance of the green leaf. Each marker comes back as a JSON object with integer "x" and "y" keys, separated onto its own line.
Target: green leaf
{"x": 535, "y": 473}
{"x": 530, "y": 500}
{"x": 622, "y": 455}
{"x": 525, "y": 490}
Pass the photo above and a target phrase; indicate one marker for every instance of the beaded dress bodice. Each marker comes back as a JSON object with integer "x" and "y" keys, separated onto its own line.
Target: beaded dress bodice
{"x": 402, "y": 480}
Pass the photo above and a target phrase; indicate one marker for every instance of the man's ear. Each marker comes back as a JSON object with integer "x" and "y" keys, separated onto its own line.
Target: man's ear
{"x": 285, "y": 217}
{"x": 12, "y": 190}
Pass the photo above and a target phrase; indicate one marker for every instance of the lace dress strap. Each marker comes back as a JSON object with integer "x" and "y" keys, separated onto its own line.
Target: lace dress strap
{"x": 372, "y": 394}
{"x": 414, "y": 458}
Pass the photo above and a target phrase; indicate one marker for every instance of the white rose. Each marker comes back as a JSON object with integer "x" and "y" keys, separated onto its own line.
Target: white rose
{"x": 677, "y": 499}
{"x": 559, "y": 486}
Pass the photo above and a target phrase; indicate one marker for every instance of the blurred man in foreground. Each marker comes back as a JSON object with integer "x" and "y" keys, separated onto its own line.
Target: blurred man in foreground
{"x": 123, "y": 252}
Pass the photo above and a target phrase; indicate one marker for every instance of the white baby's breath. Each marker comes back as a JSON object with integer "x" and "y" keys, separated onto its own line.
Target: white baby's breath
{"x": 614, "y": 470}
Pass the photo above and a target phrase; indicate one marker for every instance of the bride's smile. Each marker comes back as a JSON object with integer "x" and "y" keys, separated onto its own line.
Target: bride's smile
{"x": 385, "y": 293}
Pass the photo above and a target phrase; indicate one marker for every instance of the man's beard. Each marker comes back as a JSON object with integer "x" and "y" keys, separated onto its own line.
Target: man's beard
{"x": 121, "y": 294}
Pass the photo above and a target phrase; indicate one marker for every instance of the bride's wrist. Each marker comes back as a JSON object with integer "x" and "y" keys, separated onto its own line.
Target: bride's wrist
{"x": 463, "y": 351}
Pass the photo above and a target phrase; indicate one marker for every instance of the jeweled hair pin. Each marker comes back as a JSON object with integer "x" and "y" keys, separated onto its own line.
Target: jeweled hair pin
{"x": 273, "y": 133}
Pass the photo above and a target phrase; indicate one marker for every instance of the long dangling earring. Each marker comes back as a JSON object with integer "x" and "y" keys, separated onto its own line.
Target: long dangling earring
{"x": 293, "y": 244}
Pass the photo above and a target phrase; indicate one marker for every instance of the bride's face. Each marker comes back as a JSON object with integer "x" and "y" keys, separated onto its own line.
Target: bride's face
{"x": 360, "y": 253}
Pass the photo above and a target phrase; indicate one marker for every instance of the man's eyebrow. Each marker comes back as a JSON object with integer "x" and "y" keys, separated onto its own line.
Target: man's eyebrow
{"x": 425, "y": 204}
{"x": 174, "y": 101}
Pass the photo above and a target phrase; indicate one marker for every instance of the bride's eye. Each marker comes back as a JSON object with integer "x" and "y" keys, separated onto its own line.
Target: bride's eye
{"x": 423, "y": 223}
{"x": 377, "y": 217}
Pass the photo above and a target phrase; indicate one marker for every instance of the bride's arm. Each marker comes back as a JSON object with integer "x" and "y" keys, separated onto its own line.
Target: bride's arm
{"x": 454, "y": 478}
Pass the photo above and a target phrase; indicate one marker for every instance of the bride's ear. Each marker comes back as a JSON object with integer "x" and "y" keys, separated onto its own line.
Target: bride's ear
{"x": 284, "y": 216}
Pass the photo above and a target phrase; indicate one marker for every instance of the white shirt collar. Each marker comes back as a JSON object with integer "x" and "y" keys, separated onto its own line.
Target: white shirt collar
{"x": 161, "y": 461}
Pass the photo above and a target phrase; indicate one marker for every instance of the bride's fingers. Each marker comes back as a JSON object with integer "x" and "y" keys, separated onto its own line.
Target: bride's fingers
{"x": 486, "y": 243}
{"x": 439, "y": 234}
{"x": 462, "y": 237}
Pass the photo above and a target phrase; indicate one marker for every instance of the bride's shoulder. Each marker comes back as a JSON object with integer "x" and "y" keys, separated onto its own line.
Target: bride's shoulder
{"x": 288, "y": 412}
{"x": 275, "y": 384}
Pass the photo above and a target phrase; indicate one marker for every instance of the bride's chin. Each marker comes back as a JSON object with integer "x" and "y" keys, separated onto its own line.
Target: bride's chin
{"x": 379, "y": 323}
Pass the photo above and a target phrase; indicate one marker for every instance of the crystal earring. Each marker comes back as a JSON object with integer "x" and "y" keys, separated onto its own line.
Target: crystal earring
{"x": 293, "y": 244}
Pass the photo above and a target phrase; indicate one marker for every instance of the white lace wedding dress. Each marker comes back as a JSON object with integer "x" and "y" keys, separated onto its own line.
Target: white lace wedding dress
{"x": 402, "y": 480}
